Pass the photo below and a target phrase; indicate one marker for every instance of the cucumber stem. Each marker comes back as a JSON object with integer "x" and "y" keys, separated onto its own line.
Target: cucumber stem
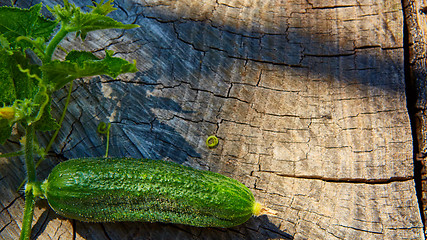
{"x": 31, "y": 174}
{"x": 28, "y": 216}
{"x": 29, "y": 155}
{"x": 36, "y": 188}
{"x": 54, "y": 43}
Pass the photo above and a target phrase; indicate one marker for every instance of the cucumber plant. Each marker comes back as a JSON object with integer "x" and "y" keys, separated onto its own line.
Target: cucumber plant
{"x": 29, "y": 75}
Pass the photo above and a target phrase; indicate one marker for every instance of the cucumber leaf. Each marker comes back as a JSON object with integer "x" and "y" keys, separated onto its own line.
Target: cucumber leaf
{"x": 27, "y": 23}
{"x": 83, "y": 64}
{"x": 5, "y": 130}
{"x": 74, "y": 20}
{"x": 103, "y": 8}
{"x": 46, "y": 121}
{"x": 7, "y": 88}
{"x": 7, "y": 93}
{"x": 4, "y": 44}
{"x": 15, "y": 84}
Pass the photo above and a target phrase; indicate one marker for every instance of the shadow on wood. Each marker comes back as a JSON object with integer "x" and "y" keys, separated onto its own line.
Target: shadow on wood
{"x": 255, "y": 228}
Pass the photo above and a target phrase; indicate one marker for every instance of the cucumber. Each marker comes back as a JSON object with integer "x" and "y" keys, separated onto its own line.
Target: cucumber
{"x": 126, "y": 189}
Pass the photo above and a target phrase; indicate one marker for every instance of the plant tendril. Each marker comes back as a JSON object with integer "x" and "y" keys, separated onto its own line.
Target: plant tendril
{"x": 43, "y": 91}
{"x": 34, "y": 43}
{"x": 27, "y": 71}
{"x": 212, "y": 141}
{"x": 104, "y": 128}
{"x": 67, "y": 101}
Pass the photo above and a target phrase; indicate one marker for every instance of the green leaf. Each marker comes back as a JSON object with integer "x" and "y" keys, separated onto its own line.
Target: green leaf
{"x": 103, "y": 8}
{"x": 5, "y": 130}
{"x": 80, "y": 57}
{"x": 91, "y": 22}
{"x": 25, "y": 85}
{"x": 46, "y": 122}
{"x": 7, "y": 87}
{"x": 4, "y": 44}
{"x": 83, "y": 64}
{"x": 15, "y": 84}
{"x": 17, "y": 22}
{"x": 74, "y": 20}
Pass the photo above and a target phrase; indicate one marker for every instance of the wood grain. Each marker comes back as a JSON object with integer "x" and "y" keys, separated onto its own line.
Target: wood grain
{"x": 307, "y": 99}
{"x": 415, "y": 14}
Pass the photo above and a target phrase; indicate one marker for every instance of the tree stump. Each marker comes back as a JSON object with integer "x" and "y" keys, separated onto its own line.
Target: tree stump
{"x": 307, "y": 98}
{"x": 415, "y": 15}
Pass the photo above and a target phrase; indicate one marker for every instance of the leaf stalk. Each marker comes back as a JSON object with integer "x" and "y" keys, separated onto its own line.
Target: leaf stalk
{"x": 54, "y": 43}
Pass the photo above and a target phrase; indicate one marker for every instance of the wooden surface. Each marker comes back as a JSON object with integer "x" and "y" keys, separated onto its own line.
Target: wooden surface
{"x": 415, "y": 15}
{"x": 307, "y": 99}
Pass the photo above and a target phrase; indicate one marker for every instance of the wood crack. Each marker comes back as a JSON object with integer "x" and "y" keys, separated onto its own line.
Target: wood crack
{"x": 359, "y": 229}
{"x": 334, "y": 7}
{"x": 345, "y": 180}
{"x": 414, "y": 73}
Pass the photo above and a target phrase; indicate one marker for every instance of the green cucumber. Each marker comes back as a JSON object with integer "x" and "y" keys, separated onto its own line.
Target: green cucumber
{"x": 126, "y": 189}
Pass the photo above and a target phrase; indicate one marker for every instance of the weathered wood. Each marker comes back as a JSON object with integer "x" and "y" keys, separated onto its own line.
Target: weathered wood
{"x": 307, "y": 99}
{"x": 415, "y": 18}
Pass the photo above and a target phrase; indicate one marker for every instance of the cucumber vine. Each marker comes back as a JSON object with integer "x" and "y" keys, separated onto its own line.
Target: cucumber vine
{"x": 27, "y": 85}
